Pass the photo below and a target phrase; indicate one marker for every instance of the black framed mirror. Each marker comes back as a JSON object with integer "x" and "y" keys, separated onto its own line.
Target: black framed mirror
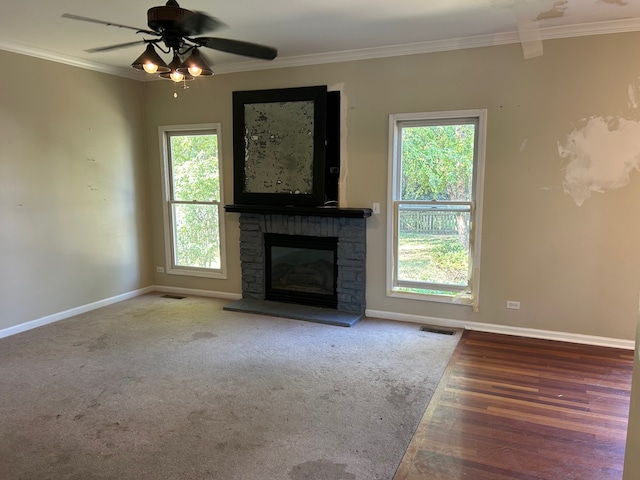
{"x": 279, "y": 142}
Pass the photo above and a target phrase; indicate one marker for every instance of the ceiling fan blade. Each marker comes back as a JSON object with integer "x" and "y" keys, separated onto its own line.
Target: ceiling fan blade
{"x": 115, "y": 47}
{"x": 237, "y": 47}
{"x": 102, "y": 22}
{"x": 198, "y": 23}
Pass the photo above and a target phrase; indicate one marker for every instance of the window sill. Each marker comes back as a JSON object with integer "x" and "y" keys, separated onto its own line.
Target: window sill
{"x": 187, "y": 272}
{"x": 458, "y": 299}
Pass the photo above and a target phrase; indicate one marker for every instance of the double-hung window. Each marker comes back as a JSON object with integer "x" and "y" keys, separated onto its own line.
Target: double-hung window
{"x": 194, "y": 230}
{"x": 436, "y": 163}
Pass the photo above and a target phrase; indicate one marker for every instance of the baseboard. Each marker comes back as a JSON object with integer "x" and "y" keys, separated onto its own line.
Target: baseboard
{"x": 419, "y": 319}
{"x": 197, "y": 293}
{"x": 505, "y": 329}
{"x": 56, "y": 317}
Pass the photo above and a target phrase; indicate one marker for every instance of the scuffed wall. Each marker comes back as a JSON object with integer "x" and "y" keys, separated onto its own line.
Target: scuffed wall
{"x": 73, "y": 192}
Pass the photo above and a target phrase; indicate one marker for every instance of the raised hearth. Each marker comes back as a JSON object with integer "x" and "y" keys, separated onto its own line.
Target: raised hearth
{"x": 347, "y": 225}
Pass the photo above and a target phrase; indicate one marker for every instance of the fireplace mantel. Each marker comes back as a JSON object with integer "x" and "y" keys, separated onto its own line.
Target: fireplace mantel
{"x": 300, "y": 211}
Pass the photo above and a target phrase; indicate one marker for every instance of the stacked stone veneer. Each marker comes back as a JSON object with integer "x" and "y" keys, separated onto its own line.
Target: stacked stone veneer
{"x": 351, "y": 235}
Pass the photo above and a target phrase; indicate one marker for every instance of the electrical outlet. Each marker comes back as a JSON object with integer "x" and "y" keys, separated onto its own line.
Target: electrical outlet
{"x": 160, "y": 269}
{"x": 513, "y": 305}
{"x": 376, "y": 208}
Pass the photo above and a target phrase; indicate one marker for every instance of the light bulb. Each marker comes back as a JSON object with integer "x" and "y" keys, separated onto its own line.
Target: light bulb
{"x": 176, "y": 76}
{"x": 195, "y": 70}
{"x": 150, "y": 67}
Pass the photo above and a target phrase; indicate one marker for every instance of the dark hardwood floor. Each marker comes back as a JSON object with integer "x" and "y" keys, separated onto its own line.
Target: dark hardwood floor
{"x": 516, "y": 408}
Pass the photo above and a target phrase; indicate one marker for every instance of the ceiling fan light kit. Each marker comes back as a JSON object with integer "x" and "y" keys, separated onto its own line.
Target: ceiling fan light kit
{"x": 175, "y": 27}
{"x": 195, "y": 65}
{"x": 150, "y": 61}
{"x": 173, "y": 73}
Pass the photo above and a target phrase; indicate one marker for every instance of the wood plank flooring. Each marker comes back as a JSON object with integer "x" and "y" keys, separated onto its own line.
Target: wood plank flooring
{"x": 515, "y": 408}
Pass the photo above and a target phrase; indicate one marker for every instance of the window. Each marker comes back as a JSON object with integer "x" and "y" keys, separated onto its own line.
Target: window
{"x": 194, "y": 234}
{"x": 436, "y": 163}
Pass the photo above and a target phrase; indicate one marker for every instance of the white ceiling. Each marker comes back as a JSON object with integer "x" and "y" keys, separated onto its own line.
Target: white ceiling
{"x": 308, "y": 31}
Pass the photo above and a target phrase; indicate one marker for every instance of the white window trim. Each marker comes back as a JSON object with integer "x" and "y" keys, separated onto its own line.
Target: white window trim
{"x": 170, "y": 268}
{"x": 476, "y": 227}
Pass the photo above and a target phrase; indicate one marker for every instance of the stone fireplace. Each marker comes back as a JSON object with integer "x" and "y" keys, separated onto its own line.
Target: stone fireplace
{"x": 299, "y": 228}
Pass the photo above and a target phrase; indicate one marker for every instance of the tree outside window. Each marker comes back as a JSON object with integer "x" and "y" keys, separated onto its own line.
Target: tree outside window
{"x": 434, "y": 215}
{"x": 193, "y": 191}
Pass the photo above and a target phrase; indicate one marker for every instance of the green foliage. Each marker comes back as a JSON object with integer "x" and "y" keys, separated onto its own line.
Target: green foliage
{"x": 432, "y": 259}
{"x": 452, "y": 258}
{"x": 195, "y": 168}
{"x": 437, "y": 165}
{"x": 437, "y": 162}
{"x": 195, "y": 178}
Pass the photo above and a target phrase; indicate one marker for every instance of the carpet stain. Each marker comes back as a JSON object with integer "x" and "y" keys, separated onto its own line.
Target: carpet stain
{"x": 62, "y": 458}
{"x": 203, "y": 335}
{"x": 99, "y": 344}
{"x": 230, "y": 447}
{"x": 331, "y": 396}
{"x": 197, "y": 416}
{"x": 399, "y": 394}
{"x": 321, "y": 469}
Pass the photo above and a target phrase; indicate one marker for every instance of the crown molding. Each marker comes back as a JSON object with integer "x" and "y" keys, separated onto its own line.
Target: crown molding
{"x": 72, "y": 61}
{"x": 477, "y": 41}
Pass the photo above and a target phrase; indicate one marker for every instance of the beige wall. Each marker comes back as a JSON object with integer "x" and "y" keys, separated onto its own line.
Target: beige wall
{"x": 75, "y": 216}
{"x": 632, "y": 454}
{"x": 73, "y": 193}
{"x": 572, "y": 261}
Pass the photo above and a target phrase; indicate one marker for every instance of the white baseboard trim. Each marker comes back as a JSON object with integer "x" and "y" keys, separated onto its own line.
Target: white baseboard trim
{"x": 56, "y": 317}
{"x": 197, "y": 293}
{"x": 402, "y": 317}
{"x": 504, "y": 329}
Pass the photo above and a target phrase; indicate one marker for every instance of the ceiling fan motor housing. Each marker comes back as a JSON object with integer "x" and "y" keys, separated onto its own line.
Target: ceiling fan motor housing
{"x": 166, "y": 19}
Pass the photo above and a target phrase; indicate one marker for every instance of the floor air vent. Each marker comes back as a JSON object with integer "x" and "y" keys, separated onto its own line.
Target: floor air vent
{"x": 440, "y": 331}
{"x": 174, "y": 297}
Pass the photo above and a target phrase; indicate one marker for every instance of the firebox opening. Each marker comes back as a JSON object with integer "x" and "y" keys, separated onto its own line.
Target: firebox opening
{"x": 301, "y": 269}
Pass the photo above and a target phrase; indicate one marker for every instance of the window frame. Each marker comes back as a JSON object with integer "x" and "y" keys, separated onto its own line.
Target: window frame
{"x": 164, "y": 133}
{"x": 467, "y": 295}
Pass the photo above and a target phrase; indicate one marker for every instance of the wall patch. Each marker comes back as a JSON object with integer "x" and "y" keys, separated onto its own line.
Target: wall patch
{"x": 602, "y": 154}
{"x": 633, "y": 102}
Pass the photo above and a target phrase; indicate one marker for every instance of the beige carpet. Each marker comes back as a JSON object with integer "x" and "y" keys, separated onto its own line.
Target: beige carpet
{"x": 158, "y": 388}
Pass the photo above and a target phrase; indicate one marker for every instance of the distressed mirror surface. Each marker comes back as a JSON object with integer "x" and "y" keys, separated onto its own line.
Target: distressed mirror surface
{"x": 279, "y": 141}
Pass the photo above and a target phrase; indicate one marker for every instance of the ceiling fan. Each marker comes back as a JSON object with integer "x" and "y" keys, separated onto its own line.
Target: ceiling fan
{"x": 174, "y": 31}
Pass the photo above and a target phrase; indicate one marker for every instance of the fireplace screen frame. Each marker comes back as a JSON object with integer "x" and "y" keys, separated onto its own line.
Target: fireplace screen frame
{"x": 329, "y": 244}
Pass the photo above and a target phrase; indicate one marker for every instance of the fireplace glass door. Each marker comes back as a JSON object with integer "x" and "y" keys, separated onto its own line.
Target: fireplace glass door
{"x": 301, "y": 269}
